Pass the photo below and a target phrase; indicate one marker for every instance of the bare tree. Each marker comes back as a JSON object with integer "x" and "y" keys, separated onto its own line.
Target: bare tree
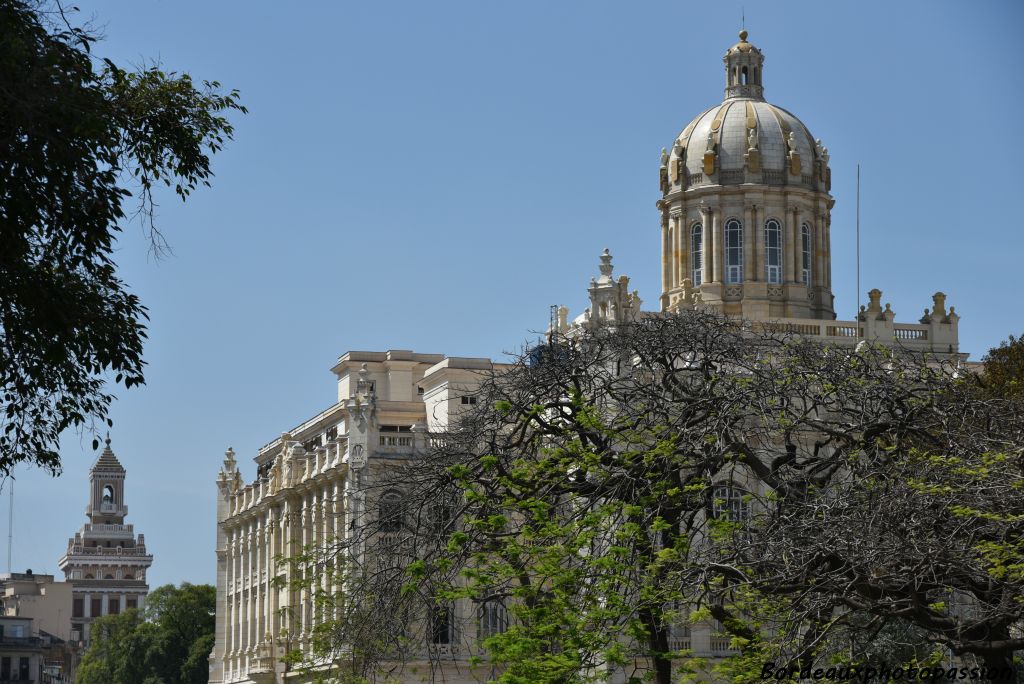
{"x": 591, "y": 492}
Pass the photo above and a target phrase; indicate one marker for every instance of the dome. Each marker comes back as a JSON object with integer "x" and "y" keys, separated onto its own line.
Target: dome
{"x": 745, "y": 139}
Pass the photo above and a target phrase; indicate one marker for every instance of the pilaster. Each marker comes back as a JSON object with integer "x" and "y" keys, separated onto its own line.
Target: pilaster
{"x": 749, "y": 231}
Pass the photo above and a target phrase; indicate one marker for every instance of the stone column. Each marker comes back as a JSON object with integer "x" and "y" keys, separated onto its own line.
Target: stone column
{"x": 243, "y": 593}
{"x": 666, "y": 254}
{"x": 235, "y": 618}
{"x": 713, "y": 247}
{"x": 88, "y": 606}
{"x": 307, "y": 534}
{"x": 789, "y": 230}
{"x": 258, "y": 626}
{"x": 332, "y": 523}
{"x": 797, "y": 246}
{"x": 826, "y": 271}
{"x": 749, "y": 231}
{"x": 817, "y": 252}
{"x": 759, "y": 252}
{"x": 677, "y": 253}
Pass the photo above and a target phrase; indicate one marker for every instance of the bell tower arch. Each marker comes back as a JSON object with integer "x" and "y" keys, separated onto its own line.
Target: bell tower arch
{"x": 106, "y": 490}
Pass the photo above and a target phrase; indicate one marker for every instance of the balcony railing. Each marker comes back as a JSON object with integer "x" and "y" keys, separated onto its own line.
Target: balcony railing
{"x": 720, "y": 643}
{"x": 680, "y": 643}
{"x": 108, "y": 551}
{"x": 114, "y": 529}
{"x": 8, "y": 643}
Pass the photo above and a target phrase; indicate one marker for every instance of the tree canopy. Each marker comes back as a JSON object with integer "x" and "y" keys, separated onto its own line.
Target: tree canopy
{"x": 818, "y": 504}
{"x": 168, "y": 643}
{"x": 1003, "y": 372}
{"x": 79, "y": 137}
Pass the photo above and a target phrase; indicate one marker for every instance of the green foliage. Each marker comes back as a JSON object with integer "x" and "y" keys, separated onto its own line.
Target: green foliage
{"x": 77, "y": 136}
{"x": 809, "y": 504}
{"x": 1004, "y": 368}
{"x": 170, "y": 646}
{"x": 118, "y": 650}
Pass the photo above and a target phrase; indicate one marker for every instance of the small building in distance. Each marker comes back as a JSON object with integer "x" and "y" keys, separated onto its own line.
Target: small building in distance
{"x": 46, "y": 603}
{"x": 106, "y": 562}
{"x": 40, "y": 597}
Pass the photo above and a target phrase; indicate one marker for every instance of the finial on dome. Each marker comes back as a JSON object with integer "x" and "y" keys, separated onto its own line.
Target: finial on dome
{"x": 606, "y": 263}
{"x": 743, "y": 35}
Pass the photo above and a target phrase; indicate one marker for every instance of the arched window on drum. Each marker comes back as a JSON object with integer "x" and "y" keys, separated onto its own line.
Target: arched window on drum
{"x": 697, "y": 254}
{"x": 773, "y": 251}
{"x": 806, "y": 250}
{"x": 733, "y": 251}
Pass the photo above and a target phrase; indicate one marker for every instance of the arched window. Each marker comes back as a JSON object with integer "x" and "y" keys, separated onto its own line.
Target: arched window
{"x": 493, "y": 619}
{"x": 806, "y": 248}
{"x": 733, "y": 251}
{"x": 697, "y": 254}
{"x": 390, "y": 512}
{"x": 439, "y": 518}
{"x": 441, "y": 631}
{"x": 773, "y": 251}
{"x": 129, "y": 577}
{"x": 730, "y": 503}
{"x": 743, "y": 76}
{"x": 108, "y": 494}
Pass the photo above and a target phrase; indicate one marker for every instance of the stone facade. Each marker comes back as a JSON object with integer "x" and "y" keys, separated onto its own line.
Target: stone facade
{"x": 745, "y": 222}
{"x": 105, "y": 562}
{"x": 311, "y": 485}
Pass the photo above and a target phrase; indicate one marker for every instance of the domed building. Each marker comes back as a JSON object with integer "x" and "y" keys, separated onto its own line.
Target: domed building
{"x": 745, "y": 223}
{"x": 745, "y": 206}
{"x": 746, "y": 229}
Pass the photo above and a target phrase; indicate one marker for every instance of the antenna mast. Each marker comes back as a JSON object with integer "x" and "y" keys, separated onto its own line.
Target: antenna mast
{"x": 10, "y": 527}
{"x": 858, "y": 251}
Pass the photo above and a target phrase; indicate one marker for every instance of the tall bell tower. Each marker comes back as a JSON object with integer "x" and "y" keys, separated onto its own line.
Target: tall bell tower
{"x": 105, "y": 562}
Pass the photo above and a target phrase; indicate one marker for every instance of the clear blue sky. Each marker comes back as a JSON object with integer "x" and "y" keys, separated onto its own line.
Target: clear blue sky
{"x": 432, "y": 176}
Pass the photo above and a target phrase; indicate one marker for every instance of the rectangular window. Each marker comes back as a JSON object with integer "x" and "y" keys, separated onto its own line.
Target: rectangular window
{"x": 5, "y": 667}
{"x": 96, "y": 607}
{"x": 114, "y": 606}
{"x": 132, "y": 603}
{"x": 78, "y": 608}
{"x": 469, "y": 401}
{"x": 23, "y": 669}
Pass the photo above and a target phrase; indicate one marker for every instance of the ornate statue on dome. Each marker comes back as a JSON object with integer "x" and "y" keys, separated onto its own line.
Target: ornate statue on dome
{"x": 711, "y": 141}
{"x": 821, "y": 150}
{"x": 791, "y": 141}
{"x": 752, "y": 139}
